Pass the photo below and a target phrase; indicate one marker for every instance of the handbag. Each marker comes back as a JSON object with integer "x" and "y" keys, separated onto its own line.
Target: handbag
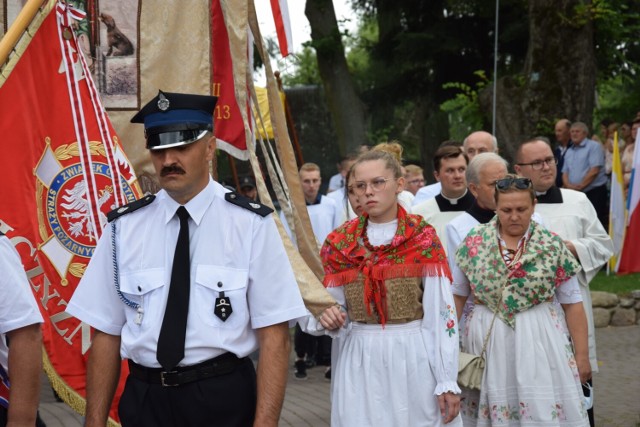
{"x": 471, "y": 366}
{"x": 470, "y": 370}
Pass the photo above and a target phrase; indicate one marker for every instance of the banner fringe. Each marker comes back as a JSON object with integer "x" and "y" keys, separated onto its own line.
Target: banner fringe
{"x": 68, "y": 395}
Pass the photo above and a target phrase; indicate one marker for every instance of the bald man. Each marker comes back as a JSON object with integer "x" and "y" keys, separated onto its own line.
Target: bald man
{"x": 479, "y": 142}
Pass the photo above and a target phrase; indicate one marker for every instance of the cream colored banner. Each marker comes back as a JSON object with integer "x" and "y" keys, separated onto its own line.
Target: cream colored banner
{"x": 174, "y": 55}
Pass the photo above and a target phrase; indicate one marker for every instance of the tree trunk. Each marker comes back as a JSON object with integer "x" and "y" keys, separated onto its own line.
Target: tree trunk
{"x": 347, "y": 110}
{"x": 559, "y": 76}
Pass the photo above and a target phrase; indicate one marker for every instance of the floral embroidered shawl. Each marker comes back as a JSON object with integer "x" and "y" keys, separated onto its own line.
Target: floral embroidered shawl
{"x": 545, "y": 264}
{"x": 414, "y": 251}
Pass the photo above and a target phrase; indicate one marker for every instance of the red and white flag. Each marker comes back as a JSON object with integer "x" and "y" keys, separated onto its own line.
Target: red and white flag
{"x": 629, "y": 259}
{"x": 280, "y": 11}
{"x": 63, "y": 169}
{"x": 229, "y": 126}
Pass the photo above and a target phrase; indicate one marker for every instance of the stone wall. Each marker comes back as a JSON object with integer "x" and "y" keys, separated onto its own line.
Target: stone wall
{"x": 611, "y": 310}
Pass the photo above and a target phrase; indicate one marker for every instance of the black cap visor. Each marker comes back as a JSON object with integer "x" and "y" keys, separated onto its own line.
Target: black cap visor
{"x": 176, "y": 138}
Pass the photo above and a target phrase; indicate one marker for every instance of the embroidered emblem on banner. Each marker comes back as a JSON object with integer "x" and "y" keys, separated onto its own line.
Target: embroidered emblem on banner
{"x": 64, "y": 210}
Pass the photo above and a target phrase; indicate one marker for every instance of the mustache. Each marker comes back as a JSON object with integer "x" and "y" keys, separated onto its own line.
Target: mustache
{"x": 171, "y": 169}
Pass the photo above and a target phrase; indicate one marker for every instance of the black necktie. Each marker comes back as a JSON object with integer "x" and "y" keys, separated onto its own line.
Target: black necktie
{"x": 174, "y": 325}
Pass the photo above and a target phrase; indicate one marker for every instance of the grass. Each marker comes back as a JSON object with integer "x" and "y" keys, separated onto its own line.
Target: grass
{"x": 616, "y": 284}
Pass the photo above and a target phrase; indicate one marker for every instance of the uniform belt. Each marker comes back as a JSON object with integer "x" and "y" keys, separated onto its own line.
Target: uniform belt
{"x": 221, "y": 365}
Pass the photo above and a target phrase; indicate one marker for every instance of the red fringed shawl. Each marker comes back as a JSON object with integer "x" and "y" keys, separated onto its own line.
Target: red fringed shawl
{"x": 414, "y": 251}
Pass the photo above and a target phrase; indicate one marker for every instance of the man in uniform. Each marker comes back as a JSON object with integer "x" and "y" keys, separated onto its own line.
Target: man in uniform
{"x": 20, "y": 322}
{"x": 185, "y": 285}
{"x": 571, "y": 215}
{"x": 449, "y": 165}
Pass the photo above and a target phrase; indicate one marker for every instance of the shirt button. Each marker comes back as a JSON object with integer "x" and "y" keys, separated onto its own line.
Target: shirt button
{"x": 139, "y": 289}
{"x": 219, "y": 284}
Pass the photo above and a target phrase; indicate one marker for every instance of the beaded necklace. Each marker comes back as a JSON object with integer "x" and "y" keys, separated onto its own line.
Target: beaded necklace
{"x": 368, "y": 245}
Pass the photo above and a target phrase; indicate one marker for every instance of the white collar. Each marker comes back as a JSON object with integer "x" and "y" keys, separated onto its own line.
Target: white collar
{"x": 454, "y": 201}
{"x": 196, "y": 206}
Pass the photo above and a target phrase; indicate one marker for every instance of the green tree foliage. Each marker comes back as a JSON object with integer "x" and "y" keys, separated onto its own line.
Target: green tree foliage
{"x": 618, "y": 53}
{"x": 464, "y": 111}
{"x": 305, "y": 69}
{"x": 414, "y": 60}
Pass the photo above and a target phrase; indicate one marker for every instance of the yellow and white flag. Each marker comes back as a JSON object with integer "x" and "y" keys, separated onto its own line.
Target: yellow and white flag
{"x": 617, "y": 207}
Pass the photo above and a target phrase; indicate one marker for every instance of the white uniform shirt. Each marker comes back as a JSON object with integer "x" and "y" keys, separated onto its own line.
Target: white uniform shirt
{"x": 233, "y": 250}
{"x": 576, "y": 220}
{"x": 18, "y": 306}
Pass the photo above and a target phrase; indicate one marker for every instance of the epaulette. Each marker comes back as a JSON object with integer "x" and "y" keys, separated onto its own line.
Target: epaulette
{"x": 247, "y": 203}
{"x": 130, "y": 207}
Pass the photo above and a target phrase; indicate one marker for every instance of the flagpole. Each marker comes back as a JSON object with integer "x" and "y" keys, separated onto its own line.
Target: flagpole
{"x": 15, "y": 31}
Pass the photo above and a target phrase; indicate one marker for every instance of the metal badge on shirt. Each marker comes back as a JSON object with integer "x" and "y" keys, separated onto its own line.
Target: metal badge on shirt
{"x": 223, "y": 307}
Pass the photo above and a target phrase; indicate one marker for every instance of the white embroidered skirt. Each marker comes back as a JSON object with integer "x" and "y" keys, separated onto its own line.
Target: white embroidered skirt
{"x": 530, "y": 378}
{"x": 382, "y": 377}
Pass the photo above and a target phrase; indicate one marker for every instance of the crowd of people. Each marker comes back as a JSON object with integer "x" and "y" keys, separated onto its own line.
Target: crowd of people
{"x": 187, "y": 283}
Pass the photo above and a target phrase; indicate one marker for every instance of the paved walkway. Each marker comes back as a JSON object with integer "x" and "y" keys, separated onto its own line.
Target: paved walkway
{"x": 617, "y": 389}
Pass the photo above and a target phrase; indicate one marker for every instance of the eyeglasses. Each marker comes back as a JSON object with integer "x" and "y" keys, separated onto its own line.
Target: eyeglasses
{"x": 539, "y": 164}
{"x": 377, "y": 185}
{"x": 416, "y": 181}
{"x": 519, "y": 183}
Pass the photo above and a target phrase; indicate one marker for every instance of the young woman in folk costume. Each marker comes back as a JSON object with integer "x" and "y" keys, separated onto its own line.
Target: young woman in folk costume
{"x": 398, "y": 358}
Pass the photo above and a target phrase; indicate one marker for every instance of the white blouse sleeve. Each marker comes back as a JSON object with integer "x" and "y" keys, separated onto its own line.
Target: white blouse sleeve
{"x": 569, "y": 292}
{"x": 460, "y": 284}
{"x": 440, "y": 332}
{"x": 311, "y": 325}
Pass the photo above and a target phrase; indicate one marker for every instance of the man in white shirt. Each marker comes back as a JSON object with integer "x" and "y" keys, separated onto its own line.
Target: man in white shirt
{"x": 185, "y": 285}
{"x": 21, "y": 362}
{"x": 572, "y": 216}
{"x": 450, "y": 165}
{"x": 413, "y": 178}
{"x": 325, "y": 215}
{"x": 337, "y": 181}
{"x": 583, "y": 170}
{"x": 325, "y": 212}
{"x": 339, "y": 195}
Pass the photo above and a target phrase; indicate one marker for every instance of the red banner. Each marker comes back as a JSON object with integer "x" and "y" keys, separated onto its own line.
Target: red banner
{"x": 63, "y": 169}
{"x": 229, "y": 128}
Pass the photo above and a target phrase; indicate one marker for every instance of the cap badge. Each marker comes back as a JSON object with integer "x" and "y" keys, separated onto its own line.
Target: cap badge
{"x": 163, "y": 102}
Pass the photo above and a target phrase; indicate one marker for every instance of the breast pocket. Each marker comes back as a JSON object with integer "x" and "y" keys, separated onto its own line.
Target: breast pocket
{"x": 229, "y": 287}
{"x": 145, "y": 288}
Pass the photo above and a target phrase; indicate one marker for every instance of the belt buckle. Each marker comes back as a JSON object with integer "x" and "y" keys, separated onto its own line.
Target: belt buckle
{"x": 163, "y": 379}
